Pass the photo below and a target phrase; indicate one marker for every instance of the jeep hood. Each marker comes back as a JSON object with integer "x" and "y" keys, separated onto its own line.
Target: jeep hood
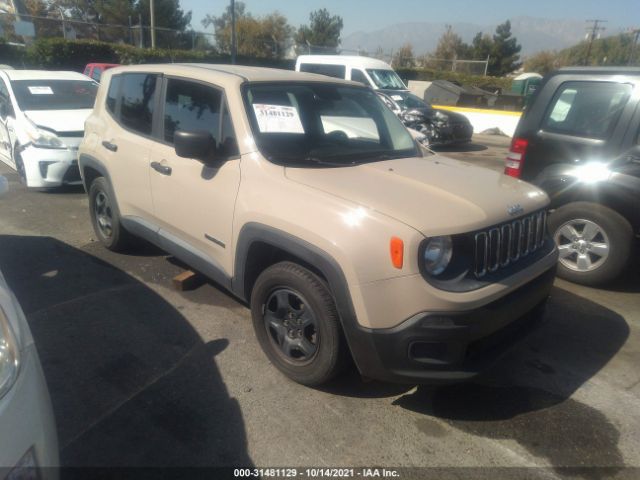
{"x": 59, "y": 120}
{"x": 435, "y": 195}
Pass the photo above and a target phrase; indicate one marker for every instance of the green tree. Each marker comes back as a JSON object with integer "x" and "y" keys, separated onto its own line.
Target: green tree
{"x": 323, "y": 31}
{"x": 481, "y": 46}
{"x": 542, "y": 62}
{"x": 505, "y": 53}
{"x": 404, "y": 58}
{"x": 266, "y": 36}
{"x": 450, "y": 47}
{"x": 167, "y": 12}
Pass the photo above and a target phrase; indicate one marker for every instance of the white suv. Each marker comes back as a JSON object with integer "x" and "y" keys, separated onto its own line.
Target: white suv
{"x": 42, "y": 118}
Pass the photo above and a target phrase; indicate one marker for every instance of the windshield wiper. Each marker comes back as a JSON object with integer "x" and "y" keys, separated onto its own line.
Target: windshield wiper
{"x": 320, "y": 161}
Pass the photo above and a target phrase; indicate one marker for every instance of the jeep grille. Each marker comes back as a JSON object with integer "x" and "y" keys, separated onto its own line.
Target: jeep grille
{"x": 506, "y": 243}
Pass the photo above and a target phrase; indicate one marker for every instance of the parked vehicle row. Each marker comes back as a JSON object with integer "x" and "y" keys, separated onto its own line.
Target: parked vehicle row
{"x": 437, "y": 126}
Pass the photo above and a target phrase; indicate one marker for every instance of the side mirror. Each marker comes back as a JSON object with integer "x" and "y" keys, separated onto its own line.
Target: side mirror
{"x": 198, "y": 144}
{"x": 4, "y": 185}
{"x": 4, "y": 110}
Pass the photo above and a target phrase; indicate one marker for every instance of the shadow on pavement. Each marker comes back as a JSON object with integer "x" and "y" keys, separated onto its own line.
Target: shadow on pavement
{"x": 132, "y": 384}
{"x": 526, "y": 397}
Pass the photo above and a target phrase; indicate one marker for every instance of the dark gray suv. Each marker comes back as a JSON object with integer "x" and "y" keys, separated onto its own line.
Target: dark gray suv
{"x": 579, "y": 141}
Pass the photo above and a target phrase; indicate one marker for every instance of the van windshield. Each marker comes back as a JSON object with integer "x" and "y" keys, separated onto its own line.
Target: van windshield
{"x": 310, "y": 124}
{"x": 386, "y": 79}
{"x": 46, "y": 94}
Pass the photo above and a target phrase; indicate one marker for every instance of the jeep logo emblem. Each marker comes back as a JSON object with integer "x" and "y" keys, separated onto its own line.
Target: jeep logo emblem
{"x": 515, "y": 209}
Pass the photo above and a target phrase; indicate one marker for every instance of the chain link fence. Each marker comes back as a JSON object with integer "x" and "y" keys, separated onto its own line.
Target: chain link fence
{"x": 23, "y": 29}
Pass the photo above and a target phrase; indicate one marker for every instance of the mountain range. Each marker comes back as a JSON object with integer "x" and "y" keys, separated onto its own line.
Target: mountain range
{"x": 534, "y": 34}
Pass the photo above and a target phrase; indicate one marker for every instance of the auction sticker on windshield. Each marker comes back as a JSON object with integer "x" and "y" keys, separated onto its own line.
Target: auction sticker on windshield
{"x": 277, "y": 118}
{"x": 40, "y": 90}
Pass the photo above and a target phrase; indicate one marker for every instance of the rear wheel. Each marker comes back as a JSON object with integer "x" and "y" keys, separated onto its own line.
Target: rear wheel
{"x": 297, "y": 325}
{"x": 105, "y": 217}
{"x": 594, "y": 242}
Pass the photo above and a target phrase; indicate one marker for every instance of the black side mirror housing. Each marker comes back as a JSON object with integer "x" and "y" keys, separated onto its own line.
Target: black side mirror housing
{"x": 198, "y": 144}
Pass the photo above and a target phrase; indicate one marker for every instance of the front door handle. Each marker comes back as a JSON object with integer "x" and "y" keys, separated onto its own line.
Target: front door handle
{"x": 163, "y": 169}
{"x": 112, "y": 147}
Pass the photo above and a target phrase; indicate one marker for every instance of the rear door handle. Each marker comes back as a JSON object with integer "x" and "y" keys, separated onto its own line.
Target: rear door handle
{"x": 163, "y": 169}
{"x": 112, "y": 147}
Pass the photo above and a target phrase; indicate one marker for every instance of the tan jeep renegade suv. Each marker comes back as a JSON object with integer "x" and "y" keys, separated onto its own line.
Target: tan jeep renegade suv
{"x": 306, "y": 197}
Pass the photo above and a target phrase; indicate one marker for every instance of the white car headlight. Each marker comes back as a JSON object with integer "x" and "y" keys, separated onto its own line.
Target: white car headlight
{"x": 43, "y": 139}
{"x": 436, "y": 254}
{"x": 9, "y": 355}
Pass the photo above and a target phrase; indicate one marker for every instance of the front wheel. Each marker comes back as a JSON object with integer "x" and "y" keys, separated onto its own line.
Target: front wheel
{"x": 594, "y": 242}
{"x": 297, "y": 325}
{"x": 19, "y": 163}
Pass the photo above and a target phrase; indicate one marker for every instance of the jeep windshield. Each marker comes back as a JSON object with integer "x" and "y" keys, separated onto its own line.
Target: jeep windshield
{"x": 324, "y": 124}
{"x": 46, "y": 94}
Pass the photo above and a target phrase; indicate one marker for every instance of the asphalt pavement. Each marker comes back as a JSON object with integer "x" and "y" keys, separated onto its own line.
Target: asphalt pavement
{"x": 143, "y": 375}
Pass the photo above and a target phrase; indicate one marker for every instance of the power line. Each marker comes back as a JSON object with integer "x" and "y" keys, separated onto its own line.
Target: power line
{"x": 592, "y": 34}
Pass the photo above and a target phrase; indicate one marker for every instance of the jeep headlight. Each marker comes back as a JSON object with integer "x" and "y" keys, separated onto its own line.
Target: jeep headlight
{"x": 42, "y": 138}
{"x": 9, "y": 355}
{"x": 436, "y": 254}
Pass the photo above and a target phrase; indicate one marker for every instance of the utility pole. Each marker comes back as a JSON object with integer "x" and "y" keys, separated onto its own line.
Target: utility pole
{"x": 634, "y": 42}
{"x": 592, "y": 34}
{"x": 152, "y": 8}
{"x": 234, "y": 45}
{"x": 64, "y": 26}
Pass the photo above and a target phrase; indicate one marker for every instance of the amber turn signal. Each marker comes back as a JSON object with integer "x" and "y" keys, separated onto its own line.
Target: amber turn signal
{"x": 396, "y": 249}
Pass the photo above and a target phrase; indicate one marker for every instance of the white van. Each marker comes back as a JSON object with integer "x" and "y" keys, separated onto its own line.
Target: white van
{"x": 369, "y": 71}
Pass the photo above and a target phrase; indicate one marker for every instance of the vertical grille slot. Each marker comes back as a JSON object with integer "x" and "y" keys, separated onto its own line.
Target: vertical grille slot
{"x": 506, "y": 238}
{"x": 504, "y": 244}
{"x": 516, "y": 242}
{"x": 481, "y": 256}
{"x": 494, "y": 250}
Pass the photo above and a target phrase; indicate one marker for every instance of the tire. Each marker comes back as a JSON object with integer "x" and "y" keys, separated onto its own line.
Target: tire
{"x": 105, "y": 217}
{"x": 17, "y": 159}
{"x": 316, "y": 351}
{"x": 584, "y": 258}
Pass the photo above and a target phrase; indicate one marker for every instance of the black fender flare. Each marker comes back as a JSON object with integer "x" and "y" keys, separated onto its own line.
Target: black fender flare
{"x": 359, "y": 341}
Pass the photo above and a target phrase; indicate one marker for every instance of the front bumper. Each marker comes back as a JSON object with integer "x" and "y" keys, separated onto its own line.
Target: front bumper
{"x": 45, "y": 167}
{"x": 27, "y": 425}
{"x": 449, "y": 346}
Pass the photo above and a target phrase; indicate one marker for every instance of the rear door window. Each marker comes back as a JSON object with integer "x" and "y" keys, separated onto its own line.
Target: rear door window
{"x": 587, "y": 109}
{"x": 137, "y": 98}
{"x": 336, "y": 71}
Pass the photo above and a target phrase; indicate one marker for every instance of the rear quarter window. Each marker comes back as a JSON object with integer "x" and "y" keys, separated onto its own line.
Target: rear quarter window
{"x": 112, "y": 94}
{"x": 137, "y": 99}
{"x": 586, "y": 109}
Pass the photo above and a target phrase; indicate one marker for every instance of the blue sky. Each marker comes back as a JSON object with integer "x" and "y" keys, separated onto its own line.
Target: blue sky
{"x": 370, "y": 15}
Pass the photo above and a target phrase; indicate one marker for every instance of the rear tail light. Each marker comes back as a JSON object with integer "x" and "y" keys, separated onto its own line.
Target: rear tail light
{"x": 515, "y": 157}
